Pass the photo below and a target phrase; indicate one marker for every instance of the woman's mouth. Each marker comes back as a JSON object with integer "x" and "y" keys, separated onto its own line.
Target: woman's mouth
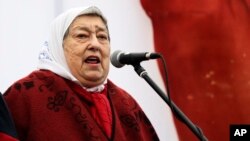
{"x": 92, "y": 60}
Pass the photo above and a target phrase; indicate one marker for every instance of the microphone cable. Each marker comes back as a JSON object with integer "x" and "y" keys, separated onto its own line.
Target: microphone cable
{"x": 166, "y": 81}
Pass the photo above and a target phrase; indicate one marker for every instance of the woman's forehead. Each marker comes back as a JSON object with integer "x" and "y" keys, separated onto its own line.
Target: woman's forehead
{"x": 86, "y": 22}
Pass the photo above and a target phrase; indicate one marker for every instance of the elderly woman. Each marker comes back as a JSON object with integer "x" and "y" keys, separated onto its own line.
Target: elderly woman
{"x": 70, "y": 98}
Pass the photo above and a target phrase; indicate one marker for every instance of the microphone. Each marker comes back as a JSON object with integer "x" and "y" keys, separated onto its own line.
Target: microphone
{"x": 119, "y": 58}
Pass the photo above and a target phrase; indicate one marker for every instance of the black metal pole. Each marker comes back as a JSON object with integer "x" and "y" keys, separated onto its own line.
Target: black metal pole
{"x": 177, "y": 112}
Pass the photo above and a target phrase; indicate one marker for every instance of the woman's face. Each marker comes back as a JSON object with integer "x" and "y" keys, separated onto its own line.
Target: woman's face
{"x": 87, "y": 50}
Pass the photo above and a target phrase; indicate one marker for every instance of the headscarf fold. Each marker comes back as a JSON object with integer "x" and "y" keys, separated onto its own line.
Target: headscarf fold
{"x": 52, "y": 56}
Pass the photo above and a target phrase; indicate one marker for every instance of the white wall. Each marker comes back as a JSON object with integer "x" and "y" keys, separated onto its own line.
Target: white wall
{"x": 24, "y": 25}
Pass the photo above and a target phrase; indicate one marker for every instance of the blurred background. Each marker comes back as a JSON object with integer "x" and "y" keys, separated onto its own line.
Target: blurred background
{"x": 24, "y": 26}
{"x": 205, "y": 43}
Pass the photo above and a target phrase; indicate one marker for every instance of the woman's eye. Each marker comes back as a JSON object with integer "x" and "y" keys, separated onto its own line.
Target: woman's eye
{"x": 82, "y": 36}
{"x": 103, "y": 37}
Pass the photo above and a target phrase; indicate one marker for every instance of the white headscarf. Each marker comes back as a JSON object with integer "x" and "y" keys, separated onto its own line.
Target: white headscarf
{"x": 52, "y": 55}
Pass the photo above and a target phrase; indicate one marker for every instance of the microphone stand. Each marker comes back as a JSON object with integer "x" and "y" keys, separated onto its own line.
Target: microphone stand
{"x": 177, "y": 112}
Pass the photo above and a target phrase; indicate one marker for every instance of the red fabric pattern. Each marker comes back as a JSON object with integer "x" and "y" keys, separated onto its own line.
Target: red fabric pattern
{"x": 206, "y": 46}
{"x": 100, "y": 108}
{"x": 4, "y": 137}
{"x": 44, "y": 107}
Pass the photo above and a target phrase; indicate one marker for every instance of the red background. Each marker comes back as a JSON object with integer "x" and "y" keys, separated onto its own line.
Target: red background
{"x": 206, "y": 45}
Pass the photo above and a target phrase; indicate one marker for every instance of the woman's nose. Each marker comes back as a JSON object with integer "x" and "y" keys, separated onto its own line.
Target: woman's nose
{"x": 94, "y": 44}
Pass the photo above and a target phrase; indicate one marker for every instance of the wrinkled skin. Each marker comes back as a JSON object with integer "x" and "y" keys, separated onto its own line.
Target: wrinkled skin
{"x": 87, "y": 50}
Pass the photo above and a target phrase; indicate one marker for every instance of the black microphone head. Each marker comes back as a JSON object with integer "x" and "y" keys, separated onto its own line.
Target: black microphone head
{"x": 114, "y": 58}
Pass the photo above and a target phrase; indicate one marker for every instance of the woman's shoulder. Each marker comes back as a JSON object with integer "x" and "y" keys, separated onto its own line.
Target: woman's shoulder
{"x": 37, "y": 75}
{"x": 33, "y": 79}
{"x": 113, "y": 88}
{"x": 116, "y": 91}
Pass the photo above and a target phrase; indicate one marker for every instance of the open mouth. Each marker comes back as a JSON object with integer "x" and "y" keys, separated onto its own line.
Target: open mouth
{"x": 92, "y": 60}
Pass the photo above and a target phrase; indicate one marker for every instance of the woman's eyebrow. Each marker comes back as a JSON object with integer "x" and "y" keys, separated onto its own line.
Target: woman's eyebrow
{"x": 85, "y": 28}
{"x": 104, "y": 29}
